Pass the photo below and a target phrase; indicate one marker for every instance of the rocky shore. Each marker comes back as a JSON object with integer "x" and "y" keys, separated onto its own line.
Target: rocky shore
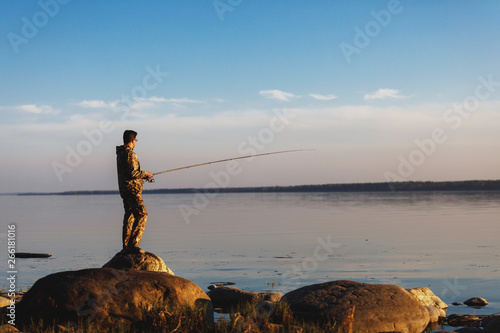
{"x": 138, "y": 292}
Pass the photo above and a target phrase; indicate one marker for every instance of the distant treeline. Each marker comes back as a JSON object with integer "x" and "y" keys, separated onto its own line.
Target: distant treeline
{"x": 468, "y": 185}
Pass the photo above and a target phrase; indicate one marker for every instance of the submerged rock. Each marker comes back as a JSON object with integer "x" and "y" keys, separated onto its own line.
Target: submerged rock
{"x": 32, "y": 255}
{"x": 228, "y": 298}
{"x": 108, "y": 297}
{"x": 462, "y": 320}
{"x": 364, "y": 307}
{"x": 144, "y": 261}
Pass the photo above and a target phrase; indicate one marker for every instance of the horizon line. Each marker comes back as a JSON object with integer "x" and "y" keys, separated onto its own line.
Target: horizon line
{"x": 340, "y": 187}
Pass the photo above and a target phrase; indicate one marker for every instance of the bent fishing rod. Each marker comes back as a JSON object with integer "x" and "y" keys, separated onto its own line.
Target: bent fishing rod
{"x": 152, "y": 180}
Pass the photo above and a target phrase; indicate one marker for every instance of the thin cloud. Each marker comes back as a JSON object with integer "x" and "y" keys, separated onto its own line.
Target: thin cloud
{"x": 96, "y": 104}
{"x": 153, "y": 101}
{"x": 34, "y": 109}
{"x": 383, "y": 94}
{"x": 277, "y": 94}
{"x": 138, "y": 103}
{"x": 323, "y": 97}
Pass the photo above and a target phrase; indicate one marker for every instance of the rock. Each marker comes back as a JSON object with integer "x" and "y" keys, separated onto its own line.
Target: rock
{"x": 435, "y": 306}
{"x": 427, "y": 298}
{"x": 457, "y": 303}
{"x": 6, "y": 328}
{"x": 492, "y": 324}
{"x": 144, "y": 261}
{"x": 109, "y": 298}
{"x": 476, "y": 301}
{"x": 462, "y": 320}
{"x": 4, "y": 301}
{"x": 228, "y": 298}
{"x": 266, "y": 308}
{"x": 373, "y": 307}
{"x": 32, "y": 255}
{"x": 435, "y": 314}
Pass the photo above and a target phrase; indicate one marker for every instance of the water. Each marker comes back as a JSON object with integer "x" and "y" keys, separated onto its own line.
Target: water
{"x": 448, "y": 242}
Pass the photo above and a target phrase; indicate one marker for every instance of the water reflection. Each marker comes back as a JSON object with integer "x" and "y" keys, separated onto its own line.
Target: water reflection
{"x": 448, "y": 241}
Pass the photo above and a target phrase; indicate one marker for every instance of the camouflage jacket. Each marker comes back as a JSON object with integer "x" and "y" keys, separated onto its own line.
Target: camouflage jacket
{"x": 130, "y": 175}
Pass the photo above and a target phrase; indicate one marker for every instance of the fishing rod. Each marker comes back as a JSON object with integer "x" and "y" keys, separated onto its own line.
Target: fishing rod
{"x": 151, "y": 180}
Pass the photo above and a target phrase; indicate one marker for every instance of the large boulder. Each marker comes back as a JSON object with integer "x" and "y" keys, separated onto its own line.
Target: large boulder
{"x": 109, "y": 298}
{"x": 364, "y": 307}
{"x": 145, "y": 261}
{"x": 228, "y": 298}
{"x": 436, "y": 307}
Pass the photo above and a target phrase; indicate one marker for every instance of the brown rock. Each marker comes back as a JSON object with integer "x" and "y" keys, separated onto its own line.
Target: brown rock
{"x": 476, "y": 301}
{"x": 433, "y": 304}
{"x": 6, "y": 328}
{"x": 108, "y": 297}
{"x": 228, "y": 298}
{"x": 4, "y": 301}
{"x": 145, "y": 261}
{"x": 492, "y": 324}
{"x": 463, "y": 320}
{"x": 376, "y": 307}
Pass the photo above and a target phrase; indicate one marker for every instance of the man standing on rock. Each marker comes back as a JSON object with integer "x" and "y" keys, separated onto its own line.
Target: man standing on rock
{"x": 130, "y": 182}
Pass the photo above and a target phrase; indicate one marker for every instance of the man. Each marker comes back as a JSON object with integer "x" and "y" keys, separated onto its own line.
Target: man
{"x": 130, "y": 182}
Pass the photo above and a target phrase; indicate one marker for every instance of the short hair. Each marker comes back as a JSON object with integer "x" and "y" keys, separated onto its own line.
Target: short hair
{"x": 129, "y": 136}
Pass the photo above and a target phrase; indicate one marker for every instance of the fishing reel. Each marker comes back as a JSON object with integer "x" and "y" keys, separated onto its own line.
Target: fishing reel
{"x": 150, "y": 180}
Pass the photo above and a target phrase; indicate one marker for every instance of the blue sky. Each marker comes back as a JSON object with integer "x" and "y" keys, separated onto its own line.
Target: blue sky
{"x": 199, "y": 80}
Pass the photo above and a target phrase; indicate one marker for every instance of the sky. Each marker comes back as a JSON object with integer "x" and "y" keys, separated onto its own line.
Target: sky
{"x": 377, "y": 91}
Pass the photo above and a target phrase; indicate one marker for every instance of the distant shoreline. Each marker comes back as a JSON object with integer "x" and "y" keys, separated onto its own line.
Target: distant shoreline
{"x": 410, "y": 186}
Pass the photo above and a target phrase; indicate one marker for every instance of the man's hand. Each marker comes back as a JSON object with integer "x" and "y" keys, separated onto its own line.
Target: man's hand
{"x": 149, "y": 175}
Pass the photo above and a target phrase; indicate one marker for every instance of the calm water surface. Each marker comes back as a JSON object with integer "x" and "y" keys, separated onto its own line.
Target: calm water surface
{"x": 449, "y": 242}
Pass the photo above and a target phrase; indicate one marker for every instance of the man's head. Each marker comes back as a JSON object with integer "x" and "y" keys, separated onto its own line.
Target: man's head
{"x": 129, "y": 138}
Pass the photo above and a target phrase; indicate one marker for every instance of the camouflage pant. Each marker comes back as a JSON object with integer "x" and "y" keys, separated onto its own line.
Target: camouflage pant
{"x": 134, "y": 220}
